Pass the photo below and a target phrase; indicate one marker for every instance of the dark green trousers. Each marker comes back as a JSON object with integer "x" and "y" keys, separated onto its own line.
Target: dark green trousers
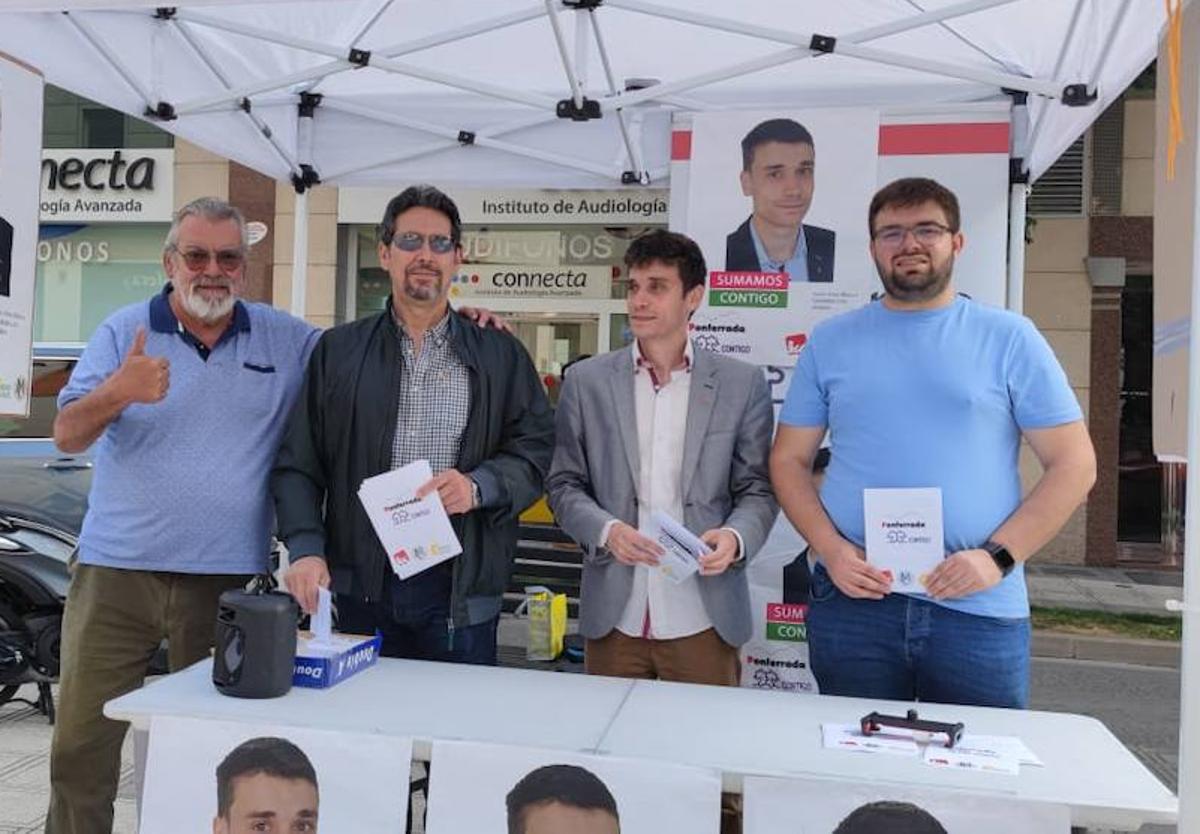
{"x": 115, "y": 620}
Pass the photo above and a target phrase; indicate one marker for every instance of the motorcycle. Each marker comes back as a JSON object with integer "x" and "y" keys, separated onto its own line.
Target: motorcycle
{"x": 33, "y": 589}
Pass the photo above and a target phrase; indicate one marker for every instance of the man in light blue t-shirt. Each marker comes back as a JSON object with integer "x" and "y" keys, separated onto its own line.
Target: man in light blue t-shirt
{"x": 184, "y": 397}
{"x": 926, "y": 388}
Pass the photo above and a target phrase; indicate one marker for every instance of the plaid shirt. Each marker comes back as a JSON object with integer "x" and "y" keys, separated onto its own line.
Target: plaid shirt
{"x": 434, "y": 400}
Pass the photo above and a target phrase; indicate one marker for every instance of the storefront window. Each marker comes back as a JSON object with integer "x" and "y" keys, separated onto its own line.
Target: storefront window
{"x": 85, "y": 272}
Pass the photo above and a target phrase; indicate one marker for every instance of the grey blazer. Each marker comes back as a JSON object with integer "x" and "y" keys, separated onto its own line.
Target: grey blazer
{"x": 594, "y": 477}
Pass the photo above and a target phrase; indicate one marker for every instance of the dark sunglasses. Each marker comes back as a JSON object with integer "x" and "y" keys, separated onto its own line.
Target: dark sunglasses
{"x": 412, "y": 242}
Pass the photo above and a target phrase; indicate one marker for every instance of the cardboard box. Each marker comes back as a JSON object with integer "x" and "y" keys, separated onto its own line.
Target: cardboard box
{"x": 320, "y": 667}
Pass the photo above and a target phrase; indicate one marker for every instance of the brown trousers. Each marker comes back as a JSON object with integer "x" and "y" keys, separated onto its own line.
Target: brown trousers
{"x": 698, "y": 658}
{"x": 115, "y": 621}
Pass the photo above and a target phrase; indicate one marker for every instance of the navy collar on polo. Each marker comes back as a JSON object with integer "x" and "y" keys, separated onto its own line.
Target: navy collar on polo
{"x": 163, "y": 320}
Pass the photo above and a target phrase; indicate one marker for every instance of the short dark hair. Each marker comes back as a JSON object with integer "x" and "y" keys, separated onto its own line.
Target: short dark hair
{"x": 670, "y": 248}
{"x": 276, "y": 757}
{"x": 562, "y": 783}
{"x": 914, "y": 191}
{"x": 889, "y": 818}
{"x": 787, "y": 131}
{"x": 419, "y": 196}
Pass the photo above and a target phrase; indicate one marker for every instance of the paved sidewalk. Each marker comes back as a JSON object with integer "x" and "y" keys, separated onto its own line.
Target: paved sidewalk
{"x": 1110, "y": 590}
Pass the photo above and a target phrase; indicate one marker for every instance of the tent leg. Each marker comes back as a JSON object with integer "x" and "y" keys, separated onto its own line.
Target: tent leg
{"x": 300, "y": 256}
{"x": 1189, "y": 730}
{"x": 1018, "y": 192}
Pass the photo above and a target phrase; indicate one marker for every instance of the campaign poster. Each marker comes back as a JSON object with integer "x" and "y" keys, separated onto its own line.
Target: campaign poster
{"x": 489, "y": 789}
{"x": 218, "y": 777}
{"x": 20, "y": 166}
{"x": 777, "y": 202}
{"x": 833, "y": 807}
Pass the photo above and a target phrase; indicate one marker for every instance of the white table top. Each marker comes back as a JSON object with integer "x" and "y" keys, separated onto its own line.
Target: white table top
{"x": 752, "y": 732}
{"x": 737, "y": 731}
{"x": 423, "y": 700}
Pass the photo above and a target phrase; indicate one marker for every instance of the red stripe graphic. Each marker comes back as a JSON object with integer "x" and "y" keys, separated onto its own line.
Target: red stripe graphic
{"x": 977, "y": 137}
{"x": 681, "y": 145}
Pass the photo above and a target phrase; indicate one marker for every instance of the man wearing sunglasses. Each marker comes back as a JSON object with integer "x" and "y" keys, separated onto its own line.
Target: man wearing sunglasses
{"x": 185, "y": 398}
{"x": 413, "y": 383}
{"x": 927, "y": 389}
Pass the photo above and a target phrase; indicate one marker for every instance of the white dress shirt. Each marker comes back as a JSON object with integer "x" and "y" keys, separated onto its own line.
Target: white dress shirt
{"x": 659, "y": 608}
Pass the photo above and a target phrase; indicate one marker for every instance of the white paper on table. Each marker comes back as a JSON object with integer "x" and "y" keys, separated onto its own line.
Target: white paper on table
{"x": 322, "y": 619}
{"x": 1004, "y": 745}
{"x": 850, "y": 737}
{"x": 416, "y": 533}
{"x": 904, "y": 534}
{"x": 961, "y": 756}
{"x": 682, "y": 548}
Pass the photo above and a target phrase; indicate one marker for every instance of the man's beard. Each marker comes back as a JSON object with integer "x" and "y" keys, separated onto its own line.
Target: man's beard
{"x": 919, "y": 286}
{"x": 429, "y": 291}
{"x": 207, "y": 310}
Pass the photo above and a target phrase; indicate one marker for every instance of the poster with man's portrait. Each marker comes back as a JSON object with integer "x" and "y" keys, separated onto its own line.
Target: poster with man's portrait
{"x": 778, "y": 203}
{"x": 217, "y": 777}
{"x": 489, "y": 789}
{"x": 774, "y": 806}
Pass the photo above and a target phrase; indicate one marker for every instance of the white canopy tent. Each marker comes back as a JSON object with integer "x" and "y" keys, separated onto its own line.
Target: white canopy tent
{"x": 570, "y": 93}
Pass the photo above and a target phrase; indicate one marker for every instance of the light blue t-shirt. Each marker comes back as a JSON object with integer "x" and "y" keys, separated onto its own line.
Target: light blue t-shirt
{"x": 931, "y": 398}
{"x": 181, "y": 485}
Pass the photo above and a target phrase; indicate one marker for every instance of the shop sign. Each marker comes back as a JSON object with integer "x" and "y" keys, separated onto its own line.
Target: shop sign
{"x": 109, "y": 185}
{"x": 583, "y": 246}
{"x": 618, "y": 207}
{"x": 531, "y": 281}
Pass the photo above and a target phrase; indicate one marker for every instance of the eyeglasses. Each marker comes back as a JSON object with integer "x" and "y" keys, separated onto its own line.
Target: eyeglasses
{"x": 925, "y": 234}
{"x": 412, "y": 242}
{"x": 228, "y": 260}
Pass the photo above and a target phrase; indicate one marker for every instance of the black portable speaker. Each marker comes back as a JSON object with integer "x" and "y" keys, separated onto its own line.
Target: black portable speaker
{"x": 255, "y": 643}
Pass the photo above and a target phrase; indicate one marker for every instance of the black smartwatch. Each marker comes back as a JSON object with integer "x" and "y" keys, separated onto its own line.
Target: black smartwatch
{"x": 1000, "y": 555}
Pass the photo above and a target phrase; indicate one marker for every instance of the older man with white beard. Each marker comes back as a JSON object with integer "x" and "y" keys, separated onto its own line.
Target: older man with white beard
{"x": 185, "y": 397}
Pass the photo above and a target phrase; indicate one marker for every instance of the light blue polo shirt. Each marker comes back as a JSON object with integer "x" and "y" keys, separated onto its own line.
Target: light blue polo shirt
{"x": 932, "y": 398}
{"x": 181, "y": 485}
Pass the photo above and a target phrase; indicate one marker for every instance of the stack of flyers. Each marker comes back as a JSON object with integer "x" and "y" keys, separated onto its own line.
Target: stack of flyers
{"x": 415, "y": 532}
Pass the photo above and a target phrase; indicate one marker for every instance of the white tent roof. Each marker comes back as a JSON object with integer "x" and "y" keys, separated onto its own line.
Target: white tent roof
{"x": 232, "y": 73}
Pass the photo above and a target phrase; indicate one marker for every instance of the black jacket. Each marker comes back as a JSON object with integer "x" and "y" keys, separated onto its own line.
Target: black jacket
{"x": 741, "y": 257}
{"x": 341, "y": 431}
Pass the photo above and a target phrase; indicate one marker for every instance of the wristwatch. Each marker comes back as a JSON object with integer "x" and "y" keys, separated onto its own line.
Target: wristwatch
{"x": 475, "y": 498}
{"x": 1000, "y": 555}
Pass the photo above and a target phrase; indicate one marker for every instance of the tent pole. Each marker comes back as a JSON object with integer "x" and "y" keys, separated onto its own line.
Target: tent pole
{"x": 1017, "y": 193}
{"x": 1189, "y": 673}
{"x": 260, "y": 126}
{"x": 894, "y": 28}
{"x": 483, "y": 139}
{"x": 300, "y": 256}
{"x": 561, "y": 42}
{"x": 100, "y": 46}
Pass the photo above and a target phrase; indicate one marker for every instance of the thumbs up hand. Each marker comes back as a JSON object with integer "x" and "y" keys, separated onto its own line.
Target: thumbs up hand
{"x": 142, "y": 378}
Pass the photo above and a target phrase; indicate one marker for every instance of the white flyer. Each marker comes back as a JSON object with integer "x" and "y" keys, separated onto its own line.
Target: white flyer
{"x": 415, "y": 532}
{"x": 892, "y": 741}
{"x": 965, "y": 756}
{"x": 682, "y": 548}
{"x": 904, "y": 534}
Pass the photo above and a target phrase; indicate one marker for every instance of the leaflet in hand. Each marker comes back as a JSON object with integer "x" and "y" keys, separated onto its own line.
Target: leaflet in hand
{"x": 682, "y": 548}
{"x": 904, "y": 534}
{"x": 415, "y": 532}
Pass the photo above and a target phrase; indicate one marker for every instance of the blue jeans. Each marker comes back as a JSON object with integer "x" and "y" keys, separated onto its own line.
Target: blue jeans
{"x": 414, "y": 619}
{"x": 905, "y": 648}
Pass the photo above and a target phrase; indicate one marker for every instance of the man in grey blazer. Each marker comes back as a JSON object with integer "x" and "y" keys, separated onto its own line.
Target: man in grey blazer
{"x": 663, "y": 426}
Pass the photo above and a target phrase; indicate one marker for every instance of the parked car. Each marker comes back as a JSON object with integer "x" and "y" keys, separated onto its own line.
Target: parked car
{"x": 43, "y": 498}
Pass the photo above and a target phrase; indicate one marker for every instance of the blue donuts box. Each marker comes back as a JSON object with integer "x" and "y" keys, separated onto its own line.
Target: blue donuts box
{"x": 322, "y": 665}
